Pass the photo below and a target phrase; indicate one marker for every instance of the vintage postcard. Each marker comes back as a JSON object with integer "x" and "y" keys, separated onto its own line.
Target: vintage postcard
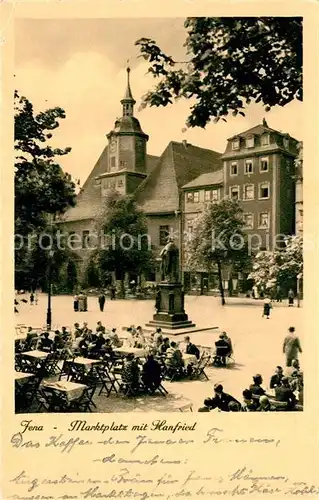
{"x": 159, "y": 249}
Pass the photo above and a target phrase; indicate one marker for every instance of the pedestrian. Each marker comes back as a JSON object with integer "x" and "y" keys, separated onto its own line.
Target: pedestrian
{"x": 291, "y": 346}
{"x": 85, "y": 302}
{"x": 266, "y": 308}
{"x": 81, "y": 302}
{"x": 101, "y": 300}
{"x": 291, "y": 297}
{"x": 278, "y": 294}
{"x": 76, "y": 303}
{"x": 31, "y": 298}
{"x": 36, "y": 300}
{"x": 112, "y": 291}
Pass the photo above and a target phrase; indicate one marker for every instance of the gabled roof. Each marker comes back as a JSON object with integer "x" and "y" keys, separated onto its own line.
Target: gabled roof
{"x": 258, "y": 130}
{"x": 179, "y": 164}
{"x": 89, "y": 201}
{"x": 208, "y": 179}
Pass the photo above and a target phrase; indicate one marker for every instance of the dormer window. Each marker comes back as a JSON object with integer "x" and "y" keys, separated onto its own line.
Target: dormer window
{"x": 250, "y": 142}
{"x": 235, "y": 144}
{"x": 265, "y": 140}
{"x": 286, "y": 142}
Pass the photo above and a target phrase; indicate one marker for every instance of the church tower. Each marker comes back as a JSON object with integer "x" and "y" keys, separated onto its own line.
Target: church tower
{"x": 126, "y": 158}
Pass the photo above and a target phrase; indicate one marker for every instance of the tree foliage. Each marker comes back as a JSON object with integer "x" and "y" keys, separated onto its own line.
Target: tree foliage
{"x": 218, "y": 240}
{"x": 281, "y": 267}
{"x": 41, "y": 186}
{"x": 126, "y": 246}
{"x": 231, "y": 62}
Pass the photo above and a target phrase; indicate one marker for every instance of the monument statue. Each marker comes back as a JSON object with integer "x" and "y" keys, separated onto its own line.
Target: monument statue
{"x": 170, "y": 262}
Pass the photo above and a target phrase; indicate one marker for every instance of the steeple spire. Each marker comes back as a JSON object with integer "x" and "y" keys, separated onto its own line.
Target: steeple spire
{"x": 128, "y": 100}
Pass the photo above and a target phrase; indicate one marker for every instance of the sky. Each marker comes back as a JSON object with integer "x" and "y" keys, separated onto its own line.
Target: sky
{"x": 80, "y": 66}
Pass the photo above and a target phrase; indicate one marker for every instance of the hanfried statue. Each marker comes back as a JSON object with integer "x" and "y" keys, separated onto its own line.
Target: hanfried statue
{"x": 170, "y": 262}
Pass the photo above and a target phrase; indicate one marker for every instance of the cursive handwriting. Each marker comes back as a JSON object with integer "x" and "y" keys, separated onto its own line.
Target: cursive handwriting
{"x": 213, "y": 436}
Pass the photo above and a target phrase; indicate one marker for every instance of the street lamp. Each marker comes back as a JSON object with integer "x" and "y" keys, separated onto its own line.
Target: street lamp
{"x": 49, "y": 313}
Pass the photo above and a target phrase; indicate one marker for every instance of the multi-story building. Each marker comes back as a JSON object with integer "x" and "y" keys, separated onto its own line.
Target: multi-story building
{"x": 299, "y": 191}
{"x": 258, "y": 171}
{"x": 258, "y": 167}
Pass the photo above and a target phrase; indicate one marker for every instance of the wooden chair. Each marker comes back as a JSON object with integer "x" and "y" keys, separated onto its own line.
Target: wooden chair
{"x": 85, "y": 401}
{"x": 107, "y": 380}
{"x": 199, "y": 369}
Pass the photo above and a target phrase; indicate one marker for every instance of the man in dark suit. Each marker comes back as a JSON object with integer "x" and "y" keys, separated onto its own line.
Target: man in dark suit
{"x": 222, "y": 350}
{"x": 285, "y": 394}
{"x": 191, "y": 348}
{"x": 220, "y": 400}
{"x": 276, "y": 379}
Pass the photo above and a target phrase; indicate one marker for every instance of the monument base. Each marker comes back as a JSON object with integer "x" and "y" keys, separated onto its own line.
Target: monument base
{"x": 170, "y": 308}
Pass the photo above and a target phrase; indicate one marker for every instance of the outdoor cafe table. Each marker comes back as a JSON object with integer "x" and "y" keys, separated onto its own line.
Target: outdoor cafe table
{"x": 36, "y": 354}
{"x": 138, "y": 352}
{"x": 84, "y": 361}
{"x": 21, "y": 377}
{"x": 71, "y": 389}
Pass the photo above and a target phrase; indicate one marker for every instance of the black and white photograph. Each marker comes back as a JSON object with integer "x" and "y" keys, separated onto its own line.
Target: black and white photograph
{"x": 158, "y": 218}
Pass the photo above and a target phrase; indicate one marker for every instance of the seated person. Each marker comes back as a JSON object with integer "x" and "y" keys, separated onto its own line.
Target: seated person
{"x": 45, "y": 343}
{"x": 293, "y": 369}
{"x": 100, "y": 327}
{"x": 285, "y": 394}
{"x": 115, "y": 339}
{"x": 151, "y": 374}
{"x": 29, "y": 339}
{"x": 131, "y": 337}
{"x": 67, "y": 339}
{"x": 220, "y": 400}
{"x": 228, "y": 340}
{"x": 77, "y": 330}
{"x": 248, "y": 404}
{"x": 96, "y": 347}
{"x": 83, "y": 345}
{"x": 107, "y": 349}
{"x": 256, "y": 388}
{"x": 264, "y": 404}
{"x": 191, "y": 348}
{"x": 58, "y": 342}
{"x": 276, "y": 379}
{"x": 164, "y": 346}
{"x": 130, "y": 375}
{"x": 222, "y": 351}
{"x": 140, "y": 336}
{"x": 174, "y": 359}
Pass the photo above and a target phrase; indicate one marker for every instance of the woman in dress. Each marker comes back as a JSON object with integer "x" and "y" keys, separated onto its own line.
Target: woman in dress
{"x": 266, "y": 308}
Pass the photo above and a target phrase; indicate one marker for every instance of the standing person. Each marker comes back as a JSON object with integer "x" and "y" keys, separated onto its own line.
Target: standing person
{"x": 291, "y": 346}
{"x": 85, "y": 302}
{"x": 81, "y": 302}
{"x": 101, "y": 300}
{"x": 112, "y": 291}
{"x": 31, "y": 298}
{"x": 278, "y": 294}
{"x": 266, "y": 308}
{"x": 76, "y": 303}
{"x": 36, "y": 298}
{"x": 291, "y": 297}
{"x": 255, "y": 292}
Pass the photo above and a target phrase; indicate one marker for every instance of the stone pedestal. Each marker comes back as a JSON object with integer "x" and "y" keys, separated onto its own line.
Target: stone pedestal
{"x": 170, "y": 308}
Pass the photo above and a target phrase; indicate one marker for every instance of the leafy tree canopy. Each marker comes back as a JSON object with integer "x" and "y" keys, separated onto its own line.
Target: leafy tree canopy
{"x": 41, "y": 186}
{"x": 126, "y": 246}
{"x": 231, "y": 62}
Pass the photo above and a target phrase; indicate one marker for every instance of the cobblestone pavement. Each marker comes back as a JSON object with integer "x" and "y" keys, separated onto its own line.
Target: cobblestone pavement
{"x": 257, "y": 342}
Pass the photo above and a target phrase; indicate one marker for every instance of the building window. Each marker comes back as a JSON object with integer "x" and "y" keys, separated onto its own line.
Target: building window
{"x": 250, "y": 142}
{"x": 234, "y": 192}
{"x": 85, "y": 239}
{"x": 301, "y": 213}
{"x": 235, "y": 145}
{"x": 263, "y": 222}
{"x": 163, "y": 235}
{"x": 123, "y": 163}
{"x": 249, "y": 192}
{"x": 264, "y": 190}
{"x": 120, "y": 182}
{"x": 215, "y": 195}
{"x": 265, "y": 140}
{"x": 248, "y": 220}
{"x": 286, "y": 143}
{"x": 234, "y": 168}
{"x": 249, "y": 167}
{"x": 190, "y": 197}
{"x": 263, "y": 164}
{"x": 196, "y": 196}
{"x": 113, "y": 164}
{"x": 208, "y": 195}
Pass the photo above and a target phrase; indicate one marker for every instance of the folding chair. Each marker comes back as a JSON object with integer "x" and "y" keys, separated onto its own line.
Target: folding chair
{"x": 66, "y": 370}
{"x": 84, "y": 402}
{"x": 199, "y": 369}
{"x": 107, "y": 380}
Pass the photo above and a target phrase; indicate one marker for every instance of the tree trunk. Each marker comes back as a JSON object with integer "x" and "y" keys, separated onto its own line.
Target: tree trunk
{"x": 220, "y": 280}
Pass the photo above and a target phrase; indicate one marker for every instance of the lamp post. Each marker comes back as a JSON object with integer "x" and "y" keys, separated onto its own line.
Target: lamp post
{"x": 49, "y": 312}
